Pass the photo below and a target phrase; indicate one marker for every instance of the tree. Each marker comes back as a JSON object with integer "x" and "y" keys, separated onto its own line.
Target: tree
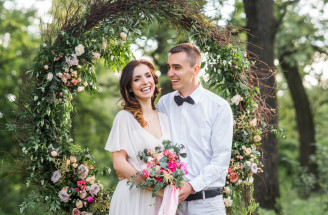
{"x": 263, "y": 26}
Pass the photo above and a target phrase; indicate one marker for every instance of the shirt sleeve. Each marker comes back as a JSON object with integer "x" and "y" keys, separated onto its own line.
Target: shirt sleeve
{"x": 120, "y": 134}
{"x": 221, "y": 142}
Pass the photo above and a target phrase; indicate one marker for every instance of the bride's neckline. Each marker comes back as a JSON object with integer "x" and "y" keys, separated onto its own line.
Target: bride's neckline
{"x": 160, "y": 125}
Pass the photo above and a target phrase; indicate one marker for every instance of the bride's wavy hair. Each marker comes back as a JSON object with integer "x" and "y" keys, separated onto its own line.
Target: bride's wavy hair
{"x": 130, "y": 102}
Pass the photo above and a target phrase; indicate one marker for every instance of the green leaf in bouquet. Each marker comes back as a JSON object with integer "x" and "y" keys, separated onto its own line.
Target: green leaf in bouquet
{"x": 163, "y": 162}
{"x": 184, "y": 155}
{"x": 158, "y": 148}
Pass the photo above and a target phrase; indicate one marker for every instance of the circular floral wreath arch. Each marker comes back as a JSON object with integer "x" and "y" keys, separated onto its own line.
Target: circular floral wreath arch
{"x": 63, "y": 172}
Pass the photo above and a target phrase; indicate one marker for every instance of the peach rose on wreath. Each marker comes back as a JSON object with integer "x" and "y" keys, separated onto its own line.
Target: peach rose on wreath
{"x": 247, "y": 151}
{"x": 257, "y": 138}
{"x": 233, "y": 177}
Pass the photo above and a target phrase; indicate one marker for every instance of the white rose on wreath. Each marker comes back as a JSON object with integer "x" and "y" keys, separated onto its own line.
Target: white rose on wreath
{"x": 72, "y": 61}
{"x": 79, "y": 50}
{"x": 236, "y": 99}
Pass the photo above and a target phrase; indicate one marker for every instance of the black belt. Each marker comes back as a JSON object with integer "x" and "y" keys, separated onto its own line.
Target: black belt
{"x": 207, "y": 194}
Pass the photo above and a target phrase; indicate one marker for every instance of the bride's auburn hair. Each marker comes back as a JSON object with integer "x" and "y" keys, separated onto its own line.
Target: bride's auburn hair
{"x": 130, "y": 102}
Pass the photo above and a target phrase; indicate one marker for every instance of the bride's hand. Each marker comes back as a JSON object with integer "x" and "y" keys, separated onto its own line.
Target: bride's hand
{"x": 161, "y": 193}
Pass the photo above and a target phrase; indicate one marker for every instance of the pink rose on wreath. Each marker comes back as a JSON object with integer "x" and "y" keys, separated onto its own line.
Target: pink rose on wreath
{"x": 82, "y": 171}
{"x": 89, "y": 199}
{"x": 76, "y": 211}
{"x": 72, "y": 61}
{"x": 83, "y": 194}
{"x": 94, "y": 189}
{"x": 233, "y": 177}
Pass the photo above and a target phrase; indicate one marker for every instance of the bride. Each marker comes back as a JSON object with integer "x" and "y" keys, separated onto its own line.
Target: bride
{"x": 136, "y": 127}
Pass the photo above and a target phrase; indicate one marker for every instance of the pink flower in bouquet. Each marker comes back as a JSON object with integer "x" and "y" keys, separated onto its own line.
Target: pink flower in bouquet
{"x": 83, "y": 187}
{"x": 89, "y": 199}
{"x": 145, "y": 173}
{"x": 184, "y": 167}
{"x": 77, "y": 189}
{"x": 159, "y": 179}
{"x": 233, "y": 177}
{"x": 80, "y": 183}
{"x": 172, "y": 166}
{"x": 76, "y": 211}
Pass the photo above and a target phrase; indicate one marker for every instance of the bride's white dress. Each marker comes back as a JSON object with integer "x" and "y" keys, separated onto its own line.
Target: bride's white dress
{"x": 129, "y": 135}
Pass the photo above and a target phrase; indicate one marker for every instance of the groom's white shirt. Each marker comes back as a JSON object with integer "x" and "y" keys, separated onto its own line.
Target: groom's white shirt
{"x": 205, "y": 129}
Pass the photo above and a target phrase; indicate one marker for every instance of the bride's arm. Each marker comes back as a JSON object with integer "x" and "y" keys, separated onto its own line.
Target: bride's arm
{"x": 125, "y": 170}
{"x": 122, "y": 167}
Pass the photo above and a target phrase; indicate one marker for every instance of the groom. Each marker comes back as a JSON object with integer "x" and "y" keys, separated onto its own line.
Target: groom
{"x": 201, "y": 121}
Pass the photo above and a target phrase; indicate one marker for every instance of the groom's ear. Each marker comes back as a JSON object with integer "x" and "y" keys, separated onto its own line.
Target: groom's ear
{"x": 196, "y": 70}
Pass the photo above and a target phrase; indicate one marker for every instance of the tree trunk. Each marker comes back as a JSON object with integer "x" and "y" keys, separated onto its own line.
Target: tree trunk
{"x": 304, "y": 116}
{"x": 262, "y": 29}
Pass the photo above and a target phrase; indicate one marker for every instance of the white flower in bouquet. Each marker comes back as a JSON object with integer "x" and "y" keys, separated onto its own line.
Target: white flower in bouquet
{"x": 123, "y": 35}
{"x": 72, "y": 61}
{"x": 79, "y": 204}
{"x": 80, "y": 89}
{"x": 96, "y": 55}
{"x": 63, "y": 195}
{"x": 227, "y": 190}
{"x": 254, "y": 168}
{"x": 50, "y": 76}
{"x": 79, "y": 50}
{"x": 236, "y": 99}
{"x": 228, "y": 202}
{"x": 54, "y": 154}
{"x": 248, "y": 163}
{"x": 55, "y": 176}
{"x": 46, "y": 67}
{"x": 82, "y": 171}
{"x": 94, "y": 189}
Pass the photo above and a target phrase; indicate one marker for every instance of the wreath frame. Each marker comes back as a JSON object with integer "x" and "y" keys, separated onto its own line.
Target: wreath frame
{"x": 102, "y": 28}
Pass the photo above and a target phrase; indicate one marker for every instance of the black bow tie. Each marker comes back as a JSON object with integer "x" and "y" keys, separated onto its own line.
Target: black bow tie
{"x": 179, "y": 100}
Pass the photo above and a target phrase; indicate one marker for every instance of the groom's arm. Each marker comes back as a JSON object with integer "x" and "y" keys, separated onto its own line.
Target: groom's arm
{"x": 220, "y": 142}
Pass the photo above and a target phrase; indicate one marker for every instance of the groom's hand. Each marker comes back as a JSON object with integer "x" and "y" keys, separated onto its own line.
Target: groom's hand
{"x": 185, "y": 191}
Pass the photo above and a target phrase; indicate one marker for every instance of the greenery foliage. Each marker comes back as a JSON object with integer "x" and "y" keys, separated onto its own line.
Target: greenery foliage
{"x": 64, "y": 66}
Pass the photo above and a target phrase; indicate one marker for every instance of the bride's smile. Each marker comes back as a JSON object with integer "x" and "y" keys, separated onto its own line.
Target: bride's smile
{"x": 143, "y": 84}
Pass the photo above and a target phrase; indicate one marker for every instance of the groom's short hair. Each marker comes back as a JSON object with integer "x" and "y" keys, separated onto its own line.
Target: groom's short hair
{"x": 192, "y": 52}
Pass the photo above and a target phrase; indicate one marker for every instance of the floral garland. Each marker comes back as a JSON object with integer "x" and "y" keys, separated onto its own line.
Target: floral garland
{"x": 64, "y": 173}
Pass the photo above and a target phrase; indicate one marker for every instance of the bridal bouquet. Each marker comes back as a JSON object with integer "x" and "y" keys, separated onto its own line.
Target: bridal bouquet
{"x": 162, "y": 167}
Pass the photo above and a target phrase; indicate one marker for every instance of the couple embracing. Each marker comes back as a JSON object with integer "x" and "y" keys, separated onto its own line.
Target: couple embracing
{"x": 192, "y": 116}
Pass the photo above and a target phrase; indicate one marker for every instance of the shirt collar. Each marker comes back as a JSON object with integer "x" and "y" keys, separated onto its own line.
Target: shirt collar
{"x": 196, "y": 95}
